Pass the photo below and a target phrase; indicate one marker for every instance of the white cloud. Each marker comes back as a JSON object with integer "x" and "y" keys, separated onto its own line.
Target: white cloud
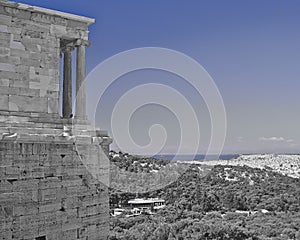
{"x": 276, "y": 139}
{"x": 272, "y": 139}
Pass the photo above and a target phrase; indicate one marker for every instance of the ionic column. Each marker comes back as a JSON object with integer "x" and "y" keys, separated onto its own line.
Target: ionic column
{"x": 67, "y": 82}
{"x": 80, "y": 80}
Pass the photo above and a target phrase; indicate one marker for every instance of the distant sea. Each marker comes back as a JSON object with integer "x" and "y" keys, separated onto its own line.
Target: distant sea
{"x": 197, "y": 157}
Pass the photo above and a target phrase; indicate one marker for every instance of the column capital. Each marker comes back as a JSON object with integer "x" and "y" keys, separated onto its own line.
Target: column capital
{"x": 82, "y": 42}
{"x": 68, "y": 48}
{"x": 67, "y": 45}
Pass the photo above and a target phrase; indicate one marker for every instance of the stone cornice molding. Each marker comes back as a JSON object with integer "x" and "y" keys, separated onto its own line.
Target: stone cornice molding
{"x": 55, "y": 13}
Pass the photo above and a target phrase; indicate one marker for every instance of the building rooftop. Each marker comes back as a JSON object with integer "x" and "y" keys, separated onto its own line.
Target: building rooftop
{"x": 145, "y": 201}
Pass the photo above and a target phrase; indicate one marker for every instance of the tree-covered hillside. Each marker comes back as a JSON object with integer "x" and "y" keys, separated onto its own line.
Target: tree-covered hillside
{"x": 228, "y": 202}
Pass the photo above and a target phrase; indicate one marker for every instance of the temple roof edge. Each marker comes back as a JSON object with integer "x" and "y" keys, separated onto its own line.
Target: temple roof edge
{"x": 46, "y": 11}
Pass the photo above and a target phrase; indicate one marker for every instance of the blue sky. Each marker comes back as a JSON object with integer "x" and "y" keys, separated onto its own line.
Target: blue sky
{"x": 250, "y": 48}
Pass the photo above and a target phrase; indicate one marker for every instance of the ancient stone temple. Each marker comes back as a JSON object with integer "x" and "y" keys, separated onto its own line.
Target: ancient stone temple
{"x": 53, "y": 167}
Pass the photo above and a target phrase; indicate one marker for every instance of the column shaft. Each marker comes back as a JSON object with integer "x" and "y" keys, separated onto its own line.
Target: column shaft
{"x": 67, "y": 84}
{"x": 80, "y": 83}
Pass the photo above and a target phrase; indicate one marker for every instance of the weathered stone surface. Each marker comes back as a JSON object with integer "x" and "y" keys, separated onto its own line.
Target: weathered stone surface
{"x": 4, "y": 43}
{"x": 4, "y": 28}
{"x": 28, "y": 104}
{"x": 12, "y": 11}
{"x": 4, "y": 52}
{"x": 9, "y": 59}
{"x": 17, "y": 45}
{"x": 4, "y": 102}
{"x": 4, "y": 82}
{"x": 19, "y": 84}
{"x": 58, "y": 30}
{"x": 45, "y": 188}
{"x": 77, "y": 25}
{"x": 48, "y": 205}
{"x": 15, "y": 30}
{"x": 20, "y": 53}
{"x": 43, "y": 18}
{"x": 5, "y": 36}
{"x": 52, "y": 105}
{"x": 5, "y": 20}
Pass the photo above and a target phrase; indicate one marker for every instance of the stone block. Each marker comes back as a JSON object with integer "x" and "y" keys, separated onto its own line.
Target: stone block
{"x": 32, "y": 62}
{"x": 4, "y": 52}
{"x": 5, "y": 36}
{"x": 29, "y": 92}
{"x": 25, "y": 185}
{"x": 17, "y": 45}
{"x": 51, "y": 182}
{"x": 14, "y": 30}
{"x": 49, "y": 207}
{"x": 19, "y": 84}
{"x": 28, "y": 104}
{"x": 70, "y": 234}
{"x": 10, "y": 59}
{"x": 6, "y": 160}
{"x": 13, "y": 170}
{"x": 6, "y": 234}
{"x": 29, "y": 46}
{"x": 93, "y": 200}
{"x": 7, "y": 67}
{"x": 4, "y": 43}
{"x": 76, "y": 33}
{"x": 53, "y": 105}
{"x": 53, "y": 95}
{"x": 72, "y": 182}
{"x": 3, "y": 101}
{"x": 58, "y": 30}
{"x": 77, "y": 25}
{"x": 25, "y": 209}
{"x": 37, "y": 27}
{"x": 28, "y": 220}
{"x": 35, "y": 34}
{"x": 53, "y": 73}
{"x": 37, "y": 55}
{"x": 72, "y": 202}
{"x": 5, "y": 19}
{"x": 9, "y": 75}
{"x": 38, "y": 172}
{"x": 73, "y": 223}
{"x": 94, "y": 219}
{"x": 20, "y": 53}
{"x": 5, "y": 186}
{"x": 47, "y": 194}
{"x": 3, "y": 28}
{"x": 8, "y": 199}
{"x": 17, "y": 38}
{"x": 23, "y": 70}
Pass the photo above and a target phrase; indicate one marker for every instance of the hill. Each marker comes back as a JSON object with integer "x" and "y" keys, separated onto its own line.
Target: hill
{"x": 287, "y": 164}
{"x": 228, "y": 202}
